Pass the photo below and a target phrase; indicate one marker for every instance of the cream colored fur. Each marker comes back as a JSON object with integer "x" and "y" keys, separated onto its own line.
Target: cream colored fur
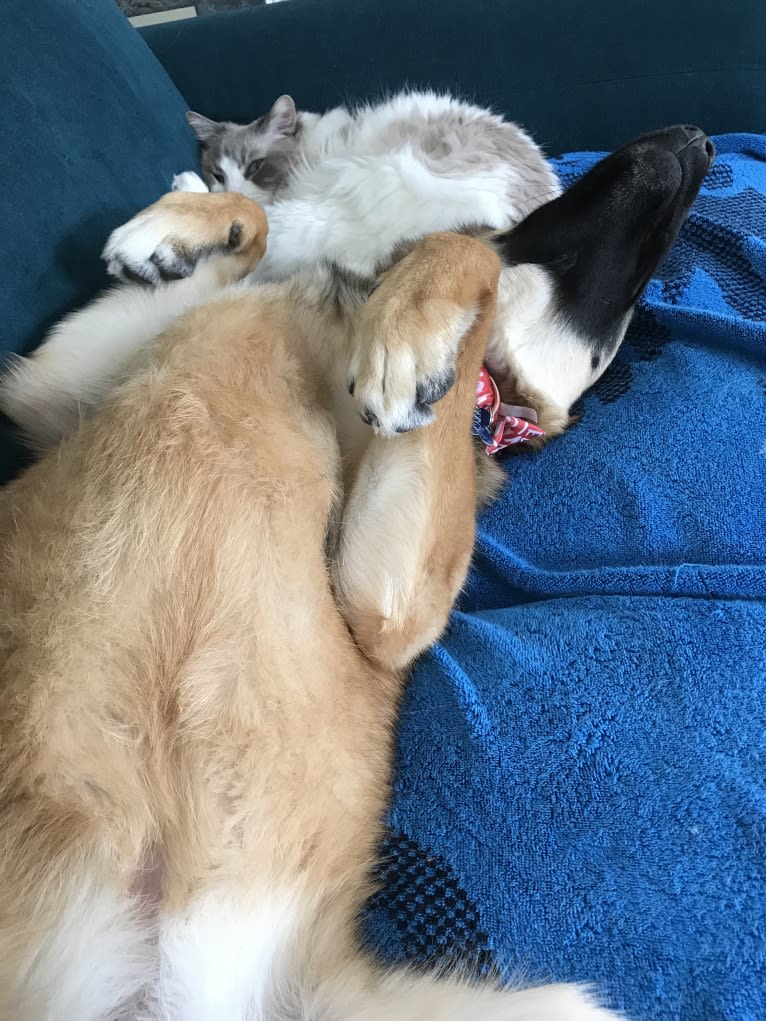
{"x": 205, "y": 624}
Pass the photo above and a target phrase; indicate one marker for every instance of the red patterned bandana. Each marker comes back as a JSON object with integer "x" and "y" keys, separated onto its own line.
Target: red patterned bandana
{"x": 501, "y": 425}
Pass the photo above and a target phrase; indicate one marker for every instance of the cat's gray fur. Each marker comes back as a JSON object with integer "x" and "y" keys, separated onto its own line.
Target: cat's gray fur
{"x": 262, "y": 150}
{"x": 457, "y": 141}
{"x": 413, "y": 164}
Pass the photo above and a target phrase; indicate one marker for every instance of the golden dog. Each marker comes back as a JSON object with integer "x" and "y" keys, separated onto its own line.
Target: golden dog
{"x": 207, "y": 617}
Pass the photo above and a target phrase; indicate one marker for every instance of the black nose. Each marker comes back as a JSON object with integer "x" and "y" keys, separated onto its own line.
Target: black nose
{"x": 683, "y": 135}
{"x": 679, "y": 138}
{"x": 698, "y": 140}
{"x": 696, "y": 136}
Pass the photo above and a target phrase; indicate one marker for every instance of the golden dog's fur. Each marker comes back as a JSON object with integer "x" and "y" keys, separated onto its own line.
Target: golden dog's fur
{"x": 206, "y": 616}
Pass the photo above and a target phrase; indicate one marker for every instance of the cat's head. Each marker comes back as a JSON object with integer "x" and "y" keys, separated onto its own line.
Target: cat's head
{"x": 254, "y": 158}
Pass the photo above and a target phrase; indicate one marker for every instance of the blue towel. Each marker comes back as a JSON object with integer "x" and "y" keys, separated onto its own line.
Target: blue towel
{"x": 581, "y": 781}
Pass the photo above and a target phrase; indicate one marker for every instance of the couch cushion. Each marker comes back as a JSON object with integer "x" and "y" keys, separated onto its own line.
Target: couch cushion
{"x": 93, "y": 129}
{"x": 576, "y": 75}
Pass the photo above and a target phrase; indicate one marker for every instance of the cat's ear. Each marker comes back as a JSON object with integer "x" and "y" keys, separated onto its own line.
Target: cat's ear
{"x": 282, "y": 118}
{"x": 203, "y": 127}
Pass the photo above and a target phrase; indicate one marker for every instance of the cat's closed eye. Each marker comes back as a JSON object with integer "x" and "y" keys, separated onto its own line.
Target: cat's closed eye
{"x": 218, "y": 176}
{"x": 252, "y": 168}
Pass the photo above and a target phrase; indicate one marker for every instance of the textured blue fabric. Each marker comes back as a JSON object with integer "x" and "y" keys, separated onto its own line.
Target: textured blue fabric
{"x": 581, "y": 783}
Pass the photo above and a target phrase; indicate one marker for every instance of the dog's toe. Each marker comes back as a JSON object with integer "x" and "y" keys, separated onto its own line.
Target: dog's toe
{"x": 393, "y": 394}
{"x": 189, "y": 181}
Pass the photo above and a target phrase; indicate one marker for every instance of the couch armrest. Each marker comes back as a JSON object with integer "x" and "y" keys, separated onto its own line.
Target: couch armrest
{"x": 577, "y": 75}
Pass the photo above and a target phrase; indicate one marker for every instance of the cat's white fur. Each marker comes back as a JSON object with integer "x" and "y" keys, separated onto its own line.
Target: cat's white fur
{"x": 359, "y": 186}
{"x": 362, "y": 184}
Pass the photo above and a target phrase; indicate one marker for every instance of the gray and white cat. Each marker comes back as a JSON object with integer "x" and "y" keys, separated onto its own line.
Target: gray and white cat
{"x": 348, "y": 186}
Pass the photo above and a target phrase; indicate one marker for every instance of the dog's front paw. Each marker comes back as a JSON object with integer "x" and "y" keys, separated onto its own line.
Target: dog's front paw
{"x": 167, "y": 240}
{"x": 189, "y": 181}
{"x": 145, "y": 251}
{"x": 400, "y": 367}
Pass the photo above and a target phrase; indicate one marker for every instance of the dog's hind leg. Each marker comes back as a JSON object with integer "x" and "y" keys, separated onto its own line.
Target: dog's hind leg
{"x": 189, "y": 245}
{"x": 75, "y": 940}
{"x": 408, "y": 996}
{"x": 408, "y": 525}
{"x": 405, "y": 544}
{"x": 74, "y": 369}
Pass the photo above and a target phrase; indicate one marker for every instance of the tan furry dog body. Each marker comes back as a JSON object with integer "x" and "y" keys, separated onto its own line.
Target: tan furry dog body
{"x": 197, "y": 704}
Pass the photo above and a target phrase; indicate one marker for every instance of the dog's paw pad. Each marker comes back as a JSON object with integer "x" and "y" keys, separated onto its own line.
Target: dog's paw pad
{"x": 404, "y": 420}
{"x": 432, "y": 388}
{"x": 420, "y": 415}
{"x": 171, "y": 262}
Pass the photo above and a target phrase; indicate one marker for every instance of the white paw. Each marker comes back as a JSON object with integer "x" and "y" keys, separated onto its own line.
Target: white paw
{"x": 189, "y": 181}
{"x": 396, "y": 375}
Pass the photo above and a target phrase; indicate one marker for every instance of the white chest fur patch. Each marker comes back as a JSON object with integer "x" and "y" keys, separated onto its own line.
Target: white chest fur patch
{"x": 218, "y": 959}
{"x": 528, "y": 335}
